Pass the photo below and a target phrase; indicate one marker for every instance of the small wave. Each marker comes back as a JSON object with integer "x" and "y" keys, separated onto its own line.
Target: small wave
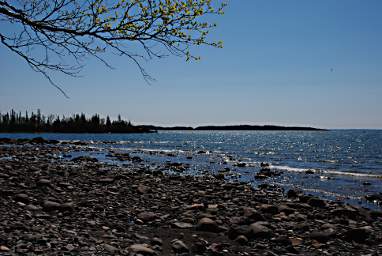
{"x": 322, "y": 192}
{"x": 332, "y": 172}
{"x": 151, "y": 150}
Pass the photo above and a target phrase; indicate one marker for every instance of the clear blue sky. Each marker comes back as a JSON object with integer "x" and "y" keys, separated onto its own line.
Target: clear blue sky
{"x": 275, "y": 68}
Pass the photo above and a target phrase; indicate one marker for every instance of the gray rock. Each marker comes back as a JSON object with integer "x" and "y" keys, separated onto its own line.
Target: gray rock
{"x": 182, "y": 225}
{"x": 257, "y": 230}
{"x": 179, "y": 246}
{"x": 323, "y": 236}
{"x": 31, "y": 207}
{"x": 141, "y": 248}
{"x": 110, "y": 249}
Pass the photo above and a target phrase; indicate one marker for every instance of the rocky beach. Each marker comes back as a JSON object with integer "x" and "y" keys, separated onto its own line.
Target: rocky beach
{"x": 81, "y": 206}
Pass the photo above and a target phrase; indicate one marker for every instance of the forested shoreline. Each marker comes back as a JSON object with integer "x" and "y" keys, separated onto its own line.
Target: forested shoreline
{"x": 78, "y": 123}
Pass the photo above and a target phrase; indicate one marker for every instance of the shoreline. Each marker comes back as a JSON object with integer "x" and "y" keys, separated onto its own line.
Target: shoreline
{"x": 83, "y": 207}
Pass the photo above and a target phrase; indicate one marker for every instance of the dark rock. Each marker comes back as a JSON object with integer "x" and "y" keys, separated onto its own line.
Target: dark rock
{"x": 147, "y": 216}
{"x": 208, "y": 225}
{"x": 359, "y": 235}
{"x": 293, "y": 193}
{"x": 85, "y": 159}
{"x": 257, "y": 230}
{"x": 241, "y": 239}
{"x": 219, "y": 176}
{"x": 375, "y": 198}
{"x": 22, "y": 198}
{"x": 106, "y": 180}
{"x": 51, "y": 206}
{"x": 43, "y": 182}
{"x": 136, "y": 159}
{"x": 241, "y": 164}
{"x": 266, "y": 208}
{"x": 237, "y": 230}
{"x": 309, "y": 171}
{"x": 376, "y": 214}
{"x": 38, "y": 140}
{"x": 317, "y": 202}
{"x": 322, "y": 236}
{"x": 142, "y": 189}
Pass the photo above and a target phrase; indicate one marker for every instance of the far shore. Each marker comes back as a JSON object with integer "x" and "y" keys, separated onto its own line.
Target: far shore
{"x": 154, "y": 129}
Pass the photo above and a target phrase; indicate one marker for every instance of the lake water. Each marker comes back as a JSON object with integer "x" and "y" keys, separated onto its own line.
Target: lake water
{"x": 347, "y": 164}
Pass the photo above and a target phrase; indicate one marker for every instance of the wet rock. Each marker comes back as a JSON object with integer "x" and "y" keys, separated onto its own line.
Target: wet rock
{"x": 85, "y": 159}
{"x": 219, "y": 176}
{"x": 136, "y": 159}
{"x": 38, "y": 140}
{"x": 178, "y": 167}
{"x": 374, "y": 198}
{"x": 241, "y": 164}
{"x": 317, "y": 202}
{"x": 310, "y": 171}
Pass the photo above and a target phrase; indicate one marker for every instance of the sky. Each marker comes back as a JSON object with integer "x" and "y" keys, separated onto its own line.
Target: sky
{"x": 294, "y": 62}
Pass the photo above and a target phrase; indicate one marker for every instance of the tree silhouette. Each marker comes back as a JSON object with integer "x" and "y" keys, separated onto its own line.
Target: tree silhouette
{"x": 78, "y": 123}
{"x": 58, "y": 35}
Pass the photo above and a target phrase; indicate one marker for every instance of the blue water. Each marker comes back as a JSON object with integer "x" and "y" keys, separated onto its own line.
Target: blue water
{"x": 347, "y": 163}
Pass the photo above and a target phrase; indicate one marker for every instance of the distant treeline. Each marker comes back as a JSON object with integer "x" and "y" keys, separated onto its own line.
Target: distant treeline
{"x": 78, "y": 123}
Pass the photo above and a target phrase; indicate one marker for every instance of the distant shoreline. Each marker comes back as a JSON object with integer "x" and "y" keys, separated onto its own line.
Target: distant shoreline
{"x": 232, "y": 128}
{"x": 154, "y": 129}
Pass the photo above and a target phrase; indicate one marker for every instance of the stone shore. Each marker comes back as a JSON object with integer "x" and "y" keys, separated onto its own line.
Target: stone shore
{"x": 52, "y": 206}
